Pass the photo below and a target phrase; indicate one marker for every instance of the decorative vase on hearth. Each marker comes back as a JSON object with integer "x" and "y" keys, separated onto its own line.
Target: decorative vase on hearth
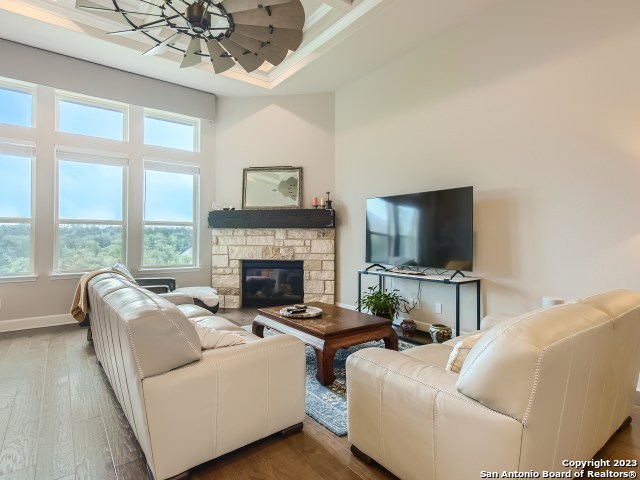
{"x": 440, "y": 333}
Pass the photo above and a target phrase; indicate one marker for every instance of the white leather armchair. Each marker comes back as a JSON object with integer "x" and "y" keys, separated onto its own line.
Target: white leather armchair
{"x": 550, "y": 385}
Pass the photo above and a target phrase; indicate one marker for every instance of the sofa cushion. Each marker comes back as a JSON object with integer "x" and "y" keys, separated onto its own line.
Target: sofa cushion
{"x": 436, "y": 354}
{"x": 160, "y": 337}
{"x": 192, "y": 311}
{"x": 503, "y": 370}
{"x": 460, "y": 352}
{"x": 214, "y": 338}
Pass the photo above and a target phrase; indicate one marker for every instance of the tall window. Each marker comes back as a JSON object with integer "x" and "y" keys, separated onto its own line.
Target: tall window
{"x": 17, "y": 103}
{"x": 92, "y": 117}
{"x": 171, "y": 131}
{"x": 91, "y": 211}
{"x": 171, "y": 193}
{"x": 16, "y": 209}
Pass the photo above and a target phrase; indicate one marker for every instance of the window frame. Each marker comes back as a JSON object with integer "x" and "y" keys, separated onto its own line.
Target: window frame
{"x": 16, "y": 146}
{"x": 172, "y": 118}
{"x": 172, "y": 166}
{"x": 92, "y": 156}
{"x": 23, "y": 87}
{"x": 88, "y": 101}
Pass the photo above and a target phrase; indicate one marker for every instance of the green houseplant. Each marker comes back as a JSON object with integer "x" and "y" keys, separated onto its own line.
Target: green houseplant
{"x": 385, "y": 303}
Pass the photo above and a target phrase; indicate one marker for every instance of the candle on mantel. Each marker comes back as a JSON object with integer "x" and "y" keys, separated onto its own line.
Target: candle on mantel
{"x": 322, "y": 201}
{"x": 315, "y": 202}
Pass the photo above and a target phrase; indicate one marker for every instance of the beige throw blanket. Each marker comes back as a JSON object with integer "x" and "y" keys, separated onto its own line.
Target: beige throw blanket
{"x": 80, "y": 304}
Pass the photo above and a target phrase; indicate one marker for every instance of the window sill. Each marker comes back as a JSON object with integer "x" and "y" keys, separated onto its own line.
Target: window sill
{"x": 169, "y": 270}
{"x": 65, "y": 276}
{"x": 18, "y": 278}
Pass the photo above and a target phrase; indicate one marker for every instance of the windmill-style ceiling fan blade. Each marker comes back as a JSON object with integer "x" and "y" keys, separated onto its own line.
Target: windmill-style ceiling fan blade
{"x": 191, "y": 56}
{"x": 163, "y": 46}
{"x": 283, "y": 37}
{"x": 136, "y": 30}
{"x": 232, "y": 6}
{"x": 219, "y": 57}
{"x": 286, "y": 15}
{"x": 271, "y": 53}
{"x": 248, "y": 60}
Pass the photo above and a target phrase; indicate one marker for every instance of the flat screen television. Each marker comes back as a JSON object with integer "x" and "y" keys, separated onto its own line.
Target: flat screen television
{"x": 428, "y": 229}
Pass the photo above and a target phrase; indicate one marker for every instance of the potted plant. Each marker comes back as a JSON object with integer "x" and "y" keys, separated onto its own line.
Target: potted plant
{"x": 385, "y": 303}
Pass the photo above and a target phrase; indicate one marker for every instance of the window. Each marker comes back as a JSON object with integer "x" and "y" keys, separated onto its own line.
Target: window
{"x": 92, "y": 117}
{"x": 17, "y": 103}
{"x": 171, "y": 131}
{"x": 16, "y": 209}
{"x": 90, "y": 211}
{"x": 171, "y": 194}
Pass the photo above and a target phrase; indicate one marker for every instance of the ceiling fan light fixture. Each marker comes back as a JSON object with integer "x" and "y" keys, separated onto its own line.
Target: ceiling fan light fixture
{"x": 198, "y": 17}
{"x": 249, "y": 32}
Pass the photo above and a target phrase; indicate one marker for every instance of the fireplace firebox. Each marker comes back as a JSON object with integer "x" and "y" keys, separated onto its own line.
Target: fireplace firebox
{"x": 268, "y": 283}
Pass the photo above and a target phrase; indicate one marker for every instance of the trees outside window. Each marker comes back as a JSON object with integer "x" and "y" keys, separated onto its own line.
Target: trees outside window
{"x": 16, "y": 209}
{"x": 91, "y": 210}
{"x": 171, "y": 193}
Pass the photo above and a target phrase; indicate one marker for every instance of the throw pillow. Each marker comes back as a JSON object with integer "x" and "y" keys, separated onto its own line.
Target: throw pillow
{"x": 460, "y": 352}
{"x": 212, "y": 338}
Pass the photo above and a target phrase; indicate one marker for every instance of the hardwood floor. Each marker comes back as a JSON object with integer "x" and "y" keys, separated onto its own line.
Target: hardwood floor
{"x": 59, "y": 420}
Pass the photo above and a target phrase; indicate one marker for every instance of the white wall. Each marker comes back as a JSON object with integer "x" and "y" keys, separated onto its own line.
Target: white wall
{"x": 296, "y": 130}
{"x": 536, "y": 104}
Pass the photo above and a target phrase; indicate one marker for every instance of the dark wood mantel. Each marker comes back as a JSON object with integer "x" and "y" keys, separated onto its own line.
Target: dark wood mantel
{"x": 277, "y": 218}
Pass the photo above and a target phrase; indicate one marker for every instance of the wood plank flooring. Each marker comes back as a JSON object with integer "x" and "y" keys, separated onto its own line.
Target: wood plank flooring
{"x": 59, "y": 420}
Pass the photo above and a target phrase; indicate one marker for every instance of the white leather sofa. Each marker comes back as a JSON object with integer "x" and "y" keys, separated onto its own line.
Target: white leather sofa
{"x": 548, "y": 386}
{"x": 187, "y": 406}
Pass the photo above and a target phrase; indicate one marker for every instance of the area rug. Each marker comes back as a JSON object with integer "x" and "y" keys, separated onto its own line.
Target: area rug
{"x": 327, "y": 405}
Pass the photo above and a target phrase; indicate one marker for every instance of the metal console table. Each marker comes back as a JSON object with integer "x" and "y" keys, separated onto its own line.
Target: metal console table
{"x": 457, "y": 282}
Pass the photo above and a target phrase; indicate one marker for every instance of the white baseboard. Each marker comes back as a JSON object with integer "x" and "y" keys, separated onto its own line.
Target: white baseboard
{"x": 36, "y": 322}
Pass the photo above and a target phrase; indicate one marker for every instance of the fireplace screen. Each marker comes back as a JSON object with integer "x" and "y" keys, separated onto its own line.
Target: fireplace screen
{"x": 268, "y": 283}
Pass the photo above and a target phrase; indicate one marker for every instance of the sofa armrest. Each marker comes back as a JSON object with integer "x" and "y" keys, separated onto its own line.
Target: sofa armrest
{"x": 177, "y": 298}
{"x": 167, "y": 283}
{"x": 408, "y": 416}
{"x": 231, "y": 397}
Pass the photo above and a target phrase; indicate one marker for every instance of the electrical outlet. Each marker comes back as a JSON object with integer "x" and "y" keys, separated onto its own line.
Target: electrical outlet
{"x": 437, "y": 308}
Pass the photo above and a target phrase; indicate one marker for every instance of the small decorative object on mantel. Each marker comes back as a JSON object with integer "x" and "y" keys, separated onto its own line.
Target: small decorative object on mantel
{"x": 440, "y": 333}
{"x": 328, "y": 203}
{"x": 315, "y": 203}
{"x": 272, "y": 187}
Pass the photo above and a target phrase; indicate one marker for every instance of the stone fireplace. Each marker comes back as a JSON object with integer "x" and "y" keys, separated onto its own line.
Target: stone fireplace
{"x": 315, "y": 247}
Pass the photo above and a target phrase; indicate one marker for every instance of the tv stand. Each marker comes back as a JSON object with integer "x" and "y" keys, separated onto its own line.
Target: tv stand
{"x": 457, "y": 272}
{"x": 380, "y": 267}
{"x": 457, "y": 282}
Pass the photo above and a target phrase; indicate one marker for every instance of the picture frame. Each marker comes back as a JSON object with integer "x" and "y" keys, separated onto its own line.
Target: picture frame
{"x": 271, "y": 187}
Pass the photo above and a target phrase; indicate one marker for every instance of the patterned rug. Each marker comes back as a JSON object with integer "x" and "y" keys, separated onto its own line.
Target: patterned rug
{"x": 327, "y": 405}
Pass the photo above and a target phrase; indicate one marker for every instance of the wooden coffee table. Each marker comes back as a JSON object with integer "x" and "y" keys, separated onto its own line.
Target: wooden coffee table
{"x": 337, "y": 328}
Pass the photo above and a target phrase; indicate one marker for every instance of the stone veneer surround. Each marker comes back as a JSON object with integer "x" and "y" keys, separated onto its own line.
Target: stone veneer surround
{"x": 314, "y": 246}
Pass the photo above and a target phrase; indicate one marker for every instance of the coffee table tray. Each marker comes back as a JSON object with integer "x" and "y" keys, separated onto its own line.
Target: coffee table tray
{"x": 311, "y": 312}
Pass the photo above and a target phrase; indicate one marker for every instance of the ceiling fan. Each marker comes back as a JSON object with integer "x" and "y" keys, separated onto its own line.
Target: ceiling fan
{"x": 248, "y": 32}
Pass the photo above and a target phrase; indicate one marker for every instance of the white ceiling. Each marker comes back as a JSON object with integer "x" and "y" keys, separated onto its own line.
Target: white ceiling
{"x": 342, "y": 42}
